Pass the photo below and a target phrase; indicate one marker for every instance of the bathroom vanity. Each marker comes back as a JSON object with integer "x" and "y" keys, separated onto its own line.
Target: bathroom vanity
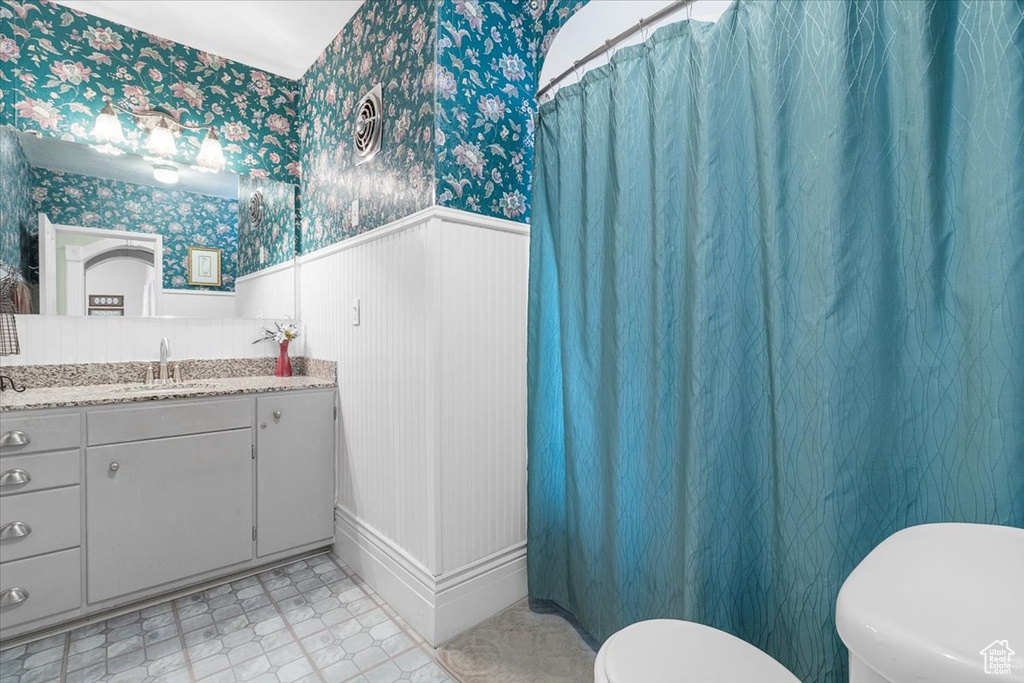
{"x": 103, "y": 505}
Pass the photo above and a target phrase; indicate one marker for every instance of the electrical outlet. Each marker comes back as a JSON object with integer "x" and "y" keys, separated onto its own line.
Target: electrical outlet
{"x": 355, "y": 311}
{"x": 355, "y": 212}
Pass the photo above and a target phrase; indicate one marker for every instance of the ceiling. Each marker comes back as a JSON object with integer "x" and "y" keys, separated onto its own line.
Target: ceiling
{"x": 280, "y": 36}
{"x": 70, "y": 157}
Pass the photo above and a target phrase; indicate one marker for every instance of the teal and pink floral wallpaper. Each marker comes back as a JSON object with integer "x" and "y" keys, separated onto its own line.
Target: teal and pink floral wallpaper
{"x": 16, "y": 215}
{"x": 390, "y": 42}
{"x": 273, "y": 240}
{"x": 458, "y": 78}
{"x": 58, "y": 65}
{"x": 183, "y": 218}
{"x": 489, "y": 56}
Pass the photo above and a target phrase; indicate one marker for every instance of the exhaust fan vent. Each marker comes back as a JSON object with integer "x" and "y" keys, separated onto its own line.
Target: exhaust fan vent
{"x": 256, "y": 208}
{"x": 369, "y": 122}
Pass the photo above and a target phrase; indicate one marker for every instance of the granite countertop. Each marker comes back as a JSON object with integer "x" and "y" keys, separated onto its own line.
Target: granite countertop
{"x": 100, "y": 394}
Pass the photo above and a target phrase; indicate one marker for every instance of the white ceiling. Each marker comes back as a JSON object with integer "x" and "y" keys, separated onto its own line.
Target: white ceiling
{"x": 280, "y": 36}
{"x": 71, "y": 157}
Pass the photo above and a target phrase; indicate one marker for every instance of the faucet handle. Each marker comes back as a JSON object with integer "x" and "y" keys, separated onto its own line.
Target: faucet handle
{"x": 149, "y": 373}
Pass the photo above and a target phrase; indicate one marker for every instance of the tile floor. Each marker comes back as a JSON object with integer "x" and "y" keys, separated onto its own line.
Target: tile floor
{"x": 311, "y": 620}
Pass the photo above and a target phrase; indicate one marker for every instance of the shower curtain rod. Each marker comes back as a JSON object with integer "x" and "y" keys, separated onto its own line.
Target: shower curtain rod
{"x": 612, "y": 42}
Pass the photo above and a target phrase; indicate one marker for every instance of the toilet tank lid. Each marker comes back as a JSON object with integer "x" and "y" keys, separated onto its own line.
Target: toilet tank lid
{"x": 937, "y": 602}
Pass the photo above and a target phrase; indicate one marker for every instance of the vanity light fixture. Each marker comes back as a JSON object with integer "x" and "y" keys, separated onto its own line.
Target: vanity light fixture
{"x": 162, "y": 126}
{"x": 108, "y": 127}
{"x": 160, "y": 142}
{"x": 165, "y": 173}
{"x": 211, "y": 154}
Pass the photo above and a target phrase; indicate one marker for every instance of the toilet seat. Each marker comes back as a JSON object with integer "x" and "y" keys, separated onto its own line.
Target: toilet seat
{"x": 671, "y": 651}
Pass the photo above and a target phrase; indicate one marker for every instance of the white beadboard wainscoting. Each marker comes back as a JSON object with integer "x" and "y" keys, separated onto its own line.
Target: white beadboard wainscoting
{"x": 50, "y": 339}
{"x": 197, "y": 304}
{"x": 426, "y": 318}
{"x": 269, "y": 293}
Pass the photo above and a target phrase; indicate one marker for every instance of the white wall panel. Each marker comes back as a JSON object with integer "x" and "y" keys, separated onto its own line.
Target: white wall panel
{"x": 483, "y": 392}
{"x": 49, "y": 339}
{"x": 197, "y": 304}
{"x": 269, "y": 293}
{"x": 432, "y": 382}
{"x": 384, "y": 368}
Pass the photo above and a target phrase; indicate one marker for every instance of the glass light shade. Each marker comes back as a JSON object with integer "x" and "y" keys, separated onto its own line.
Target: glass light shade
{"x": 165, "y": 173}
{"x": 108, "y": 127}
{"x": 211, "y": 154}
{"x": 161, "y": 141}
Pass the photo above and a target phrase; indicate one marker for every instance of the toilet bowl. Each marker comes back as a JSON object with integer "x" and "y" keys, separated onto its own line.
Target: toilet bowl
{"x": 671, "y": 651}
{"x": 937, "y": 602}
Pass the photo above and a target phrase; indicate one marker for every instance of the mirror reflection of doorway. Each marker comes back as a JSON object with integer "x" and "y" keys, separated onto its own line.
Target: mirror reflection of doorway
{"x": 92, "y": 271}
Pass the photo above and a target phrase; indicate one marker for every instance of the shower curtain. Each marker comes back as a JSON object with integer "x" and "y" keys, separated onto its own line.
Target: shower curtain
{"x": 776, "y": 312}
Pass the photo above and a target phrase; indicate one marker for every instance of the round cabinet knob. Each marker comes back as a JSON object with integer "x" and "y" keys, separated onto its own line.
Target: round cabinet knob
{"x": 115, "y": 466}
{"x": 277, "y": 414}
{"x": 13, "y": 596}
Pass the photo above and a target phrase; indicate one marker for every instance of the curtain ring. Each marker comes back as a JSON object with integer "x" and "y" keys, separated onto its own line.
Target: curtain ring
{"x": 611, "y": 48}
{"x": 643, "y": 30}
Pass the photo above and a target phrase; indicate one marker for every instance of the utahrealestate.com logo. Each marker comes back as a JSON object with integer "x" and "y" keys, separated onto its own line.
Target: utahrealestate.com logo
{"x": 997, "y": 657}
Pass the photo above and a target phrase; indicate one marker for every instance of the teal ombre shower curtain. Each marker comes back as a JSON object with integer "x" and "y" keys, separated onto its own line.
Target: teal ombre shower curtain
{"x": 776, "y": 311}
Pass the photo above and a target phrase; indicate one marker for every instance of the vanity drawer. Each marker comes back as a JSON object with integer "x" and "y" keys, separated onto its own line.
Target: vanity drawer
{"x": 39, "y": 523}
{"x": 137, "y": 423}
{"x": 46, "y": 471}
{"x": 33, "y": 434}
{"x": 40, "y": 587}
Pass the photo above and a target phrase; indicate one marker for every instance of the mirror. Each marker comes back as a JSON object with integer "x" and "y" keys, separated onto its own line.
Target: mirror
{"x": 97, "y": 234}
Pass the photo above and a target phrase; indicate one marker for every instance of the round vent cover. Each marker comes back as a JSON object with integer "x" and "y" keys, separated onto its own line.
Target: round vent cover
{"x": 369, "y": 122}
{"x": 256, "y": 208}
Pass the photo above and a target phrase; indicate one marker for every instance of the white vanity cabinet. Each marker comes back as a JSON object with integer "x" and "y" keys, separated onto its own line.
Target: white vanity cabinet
{"x": 134, "y": 500}
{"x": 295, "y": 442}
{"x": 40, "y": 517}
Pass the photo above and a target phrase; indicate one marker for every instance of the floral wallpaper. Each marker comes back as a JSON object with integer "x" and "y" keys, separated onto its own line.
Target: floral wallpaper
{"x": 390, "y": 42}
{"x": 273, "y": 241}
{"x": 58, "y": 65}
{"x": 489, "y": 55}
{"x": 16, "y": 215}
{"x": 183, "y": 218}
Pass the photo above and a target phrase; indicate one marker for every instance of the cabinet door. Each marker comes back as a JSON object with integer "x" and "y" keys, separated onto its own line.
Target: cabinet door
{"x": 166, "y": 509}
{"x": 294, "y": 470}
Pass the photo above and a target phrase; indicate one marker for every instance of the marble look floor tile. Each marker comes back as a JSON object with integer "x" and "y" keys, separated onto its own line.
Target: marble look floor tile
{"x": 313, "y": 620}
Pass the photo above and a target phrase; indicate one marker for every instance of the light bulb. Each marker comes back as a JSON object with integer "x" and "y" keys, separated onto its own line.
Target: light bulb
{"x": 211, "y": 154}
{"x": 165, "y": 173}
{"x": 161, "y": 140}
{"x": 108, "y": 127}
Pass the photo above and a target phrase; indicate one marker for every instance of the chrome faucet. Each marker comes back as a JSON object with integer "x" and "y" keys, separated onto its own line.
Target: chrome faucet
{"x": 165, "y": 351}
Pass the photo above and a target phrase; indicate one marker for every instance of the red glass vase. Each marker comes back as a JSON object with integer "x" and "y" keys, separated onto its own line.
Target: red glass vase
{"x": 284, "y": 363}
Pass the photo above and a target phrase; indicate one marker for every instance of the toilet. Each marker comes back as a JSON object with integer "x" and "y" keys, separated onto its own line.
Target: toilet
{"x": 937, "y": 602}
{"x": 671, "y": 651}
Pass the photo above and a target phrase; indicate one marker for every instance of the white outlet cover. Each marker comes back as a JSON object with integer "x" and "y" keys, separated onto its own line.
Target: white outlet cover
{"x": 355, "y": 311}
{"x": 355, "y": 212}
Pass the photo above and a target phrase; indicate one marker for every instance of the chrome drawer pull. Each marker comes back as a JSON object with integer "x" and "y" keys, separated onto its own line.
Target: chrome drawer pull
{"x": 115, "y": 466}
{"x": 15, "y": 438}
{"x": 13, "y": 596}
{"x": 14, "y": 530}
{"x": 15, "y": 478}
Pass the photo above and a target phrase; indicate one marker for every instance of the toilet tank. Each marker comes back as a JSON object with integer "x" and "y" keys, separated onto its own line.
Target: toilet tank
{"x": 937, "y": 602}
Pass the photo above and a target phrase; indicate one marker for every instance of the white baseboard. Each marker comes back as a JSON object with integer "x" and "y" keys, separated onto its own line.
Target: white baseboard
{"x": 438, "y": 607}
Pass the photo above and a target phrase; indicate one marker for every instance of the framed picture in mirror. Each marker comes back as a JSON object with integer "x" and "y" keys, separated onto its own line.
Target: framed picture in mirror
{"x": 204, "y": 266}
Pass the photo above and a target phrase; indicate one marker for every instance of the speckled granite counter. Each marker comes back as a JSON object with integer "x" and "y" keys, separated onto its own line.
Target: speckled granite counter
{"x": 99, "y": 394}
{"x": 69, "y": 386}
